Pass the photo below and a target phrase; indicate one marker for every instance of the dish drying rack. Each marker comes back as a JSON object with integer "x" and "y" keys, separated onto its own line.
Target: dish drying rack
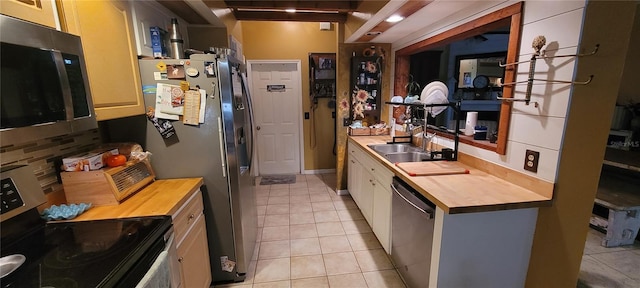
{"x": 538, "y": 43}
{"x": 456, "y": 134}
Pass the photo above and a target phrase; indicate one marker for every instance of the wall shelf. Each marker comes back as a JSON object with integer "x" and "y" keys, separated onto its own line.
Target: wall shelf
{"x": 629, "y": 160}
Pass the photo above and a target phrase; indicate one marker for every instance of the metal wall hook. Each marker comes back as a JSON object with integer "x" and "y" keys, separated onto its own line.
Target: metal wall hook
{"x": 538, "y": 42}
{"x": 595, "y": 50}
{"x": 543, "y": 56}
{"x": 550, "y": 81}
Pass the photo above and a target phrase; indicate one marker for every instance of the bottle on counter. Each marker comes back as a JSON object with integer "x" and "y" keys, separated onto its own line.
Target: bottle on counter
{"x": 175, "y": 38}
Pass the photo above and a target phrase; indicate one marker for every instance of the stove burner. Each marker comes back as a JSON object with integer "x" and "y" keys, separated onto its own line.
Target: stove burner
{"x": 55, "y": 283}
{"x": 88, "y": 250}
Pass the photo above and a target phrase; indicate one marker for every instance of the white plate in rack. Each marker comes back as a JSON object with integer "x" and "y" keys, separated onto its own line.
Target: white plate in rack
{"x": 431, "y": 88}
{"x": 397, "y": 99}
{"x": 435, "y": 92}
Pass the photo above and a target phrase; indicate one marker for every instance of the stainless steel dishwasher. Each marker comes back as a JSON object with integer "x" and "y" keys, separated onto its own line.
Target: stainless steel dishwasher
{"x": 412, "y": 220}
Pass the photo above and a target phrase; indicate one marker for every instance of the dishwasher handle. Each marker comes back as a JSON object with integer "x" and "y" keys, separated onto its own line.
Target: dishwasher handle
{"x": 429, "y": 212}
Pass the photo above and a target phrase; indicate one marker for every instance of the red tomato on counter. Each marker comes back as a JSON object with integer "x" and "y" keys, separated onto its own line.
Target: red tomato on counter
{"x": 116, "y": 160}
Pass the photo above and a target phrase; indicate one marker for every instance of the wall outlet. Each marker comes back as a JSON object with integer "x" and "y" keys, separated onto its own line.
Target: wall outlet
{"x": 306, "y": 115}
{"x": 346, "y": 122}
{"x": 531, "y": 160}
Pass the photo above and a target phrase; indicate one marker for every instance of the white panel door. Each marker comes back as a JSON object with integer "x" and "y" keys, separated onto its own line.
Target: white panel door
{"x": 277, "y": 113}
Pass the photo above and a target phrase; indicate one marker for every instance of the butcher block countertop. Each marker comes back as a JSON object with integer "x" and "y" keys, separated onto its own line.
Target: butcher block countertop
{"x": 476, "y": 191}
{"x": 162, "y": 197}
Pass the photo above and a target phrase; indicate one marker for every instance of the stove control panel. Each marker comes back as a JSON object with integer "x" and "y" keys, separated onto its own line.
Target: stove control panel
{"x": 20, "y": 191}
{"x": 9, "y": 195}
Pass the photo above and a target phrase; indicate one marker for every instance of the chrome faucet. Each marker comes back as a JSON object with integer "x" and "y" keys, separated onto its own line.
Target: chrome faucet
{"x": 408, "y": 126}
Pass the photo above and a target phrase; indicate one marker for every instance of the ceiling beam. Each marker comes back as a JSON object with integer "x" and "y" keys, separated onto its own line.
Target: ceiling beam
{"x": 405, "y": 11}
{"x": 284, "y": 16}
{"x": 342, "y": 6}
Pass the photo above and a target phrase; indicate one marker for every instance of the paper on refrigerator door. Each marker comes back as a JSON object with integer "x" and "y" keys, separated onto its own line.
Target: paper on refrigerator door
{"x": 237, "y": 84}
{"x": 191, "y": 107}
{"x": 164, "y": 107}
{"x": 194, "y": 107}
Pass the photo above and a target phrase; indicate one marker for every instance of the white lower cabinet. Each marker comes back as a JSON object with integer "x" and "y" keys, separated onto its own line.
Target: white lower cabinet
{"x": 194, "y": 263}
{"x": 382, "y": 216}
{"x": 355, "y": 178}
{"x": 369, "y": 185}
{"x": 193, "y": 249}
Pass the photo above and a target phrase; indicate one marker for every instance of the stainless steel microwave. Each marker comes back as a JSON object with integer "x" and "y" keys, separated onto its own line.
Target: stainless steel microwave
{"x": 44, "y": 89}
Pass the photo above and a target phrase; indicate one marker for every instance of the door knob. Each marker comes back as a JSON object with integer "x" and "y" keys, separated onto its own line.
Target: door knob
{"x": 258, "y": 128}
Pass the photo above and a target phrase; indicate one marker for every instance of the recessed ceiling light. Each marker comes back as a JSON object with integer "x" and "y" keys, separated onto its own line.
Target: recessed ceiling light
{"x": 290, "y": 10}
{"x": 394, "y": 19}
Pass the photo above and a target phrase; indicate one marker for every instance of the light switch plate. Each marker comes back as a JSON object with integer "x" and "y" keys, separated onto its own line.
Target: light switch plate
{"x": 531, "y": 160}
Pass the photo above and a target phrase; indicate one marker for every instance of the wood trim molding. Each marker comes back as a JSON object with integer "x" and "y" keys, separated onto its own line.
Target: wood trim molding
{"x": 483, "y": 24}
{"x": 484, "y": 144}
{"x": 401, "y": 77}
{"x": 509, "y": 76}
{"x": 509, "y": 16}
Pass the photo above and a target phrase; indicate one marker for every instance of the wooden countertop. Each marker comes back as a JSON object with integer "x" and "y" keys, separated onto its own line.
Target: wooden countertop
{"x": 162, "y": 197}
{"x": 477, "y": 191}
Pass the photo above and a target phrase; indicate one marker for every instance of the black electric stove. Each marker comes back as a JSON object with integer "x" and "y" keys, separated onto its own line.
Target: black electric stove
{"x": 102, "y": 253}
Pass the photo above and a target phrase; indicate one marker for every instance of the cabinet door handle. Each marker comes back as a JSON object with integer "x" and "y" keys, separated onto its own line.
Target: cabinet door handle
{"x": 354, "y": 162}
{"x": 191, "y": 217}
{"x": 372, "y": 169}
{"x": 180, "y": 259}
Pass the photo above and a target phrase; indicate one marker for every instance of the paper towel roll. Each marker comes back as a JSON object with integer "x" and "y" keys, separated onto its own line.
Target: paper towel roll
{"x": 470, "y": 124}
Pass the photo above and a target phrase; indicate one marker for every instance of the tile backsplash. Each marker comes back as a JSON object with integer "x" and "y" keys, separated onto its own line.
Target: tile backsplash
{"x": 41, "y": 155}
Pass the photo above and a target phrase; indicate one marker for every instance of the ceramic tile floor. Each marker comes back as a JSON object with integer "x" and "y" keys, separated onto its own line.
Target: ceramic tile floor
{"x": 609, "y": 267}
{"x": 310, "y": 237}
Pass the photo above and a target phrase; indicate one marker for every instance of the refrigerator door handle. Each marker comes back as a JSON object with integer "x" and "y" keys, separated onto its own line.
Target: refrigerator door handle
{"x": 250, "y": 107}
{"x": 222, "y": 150}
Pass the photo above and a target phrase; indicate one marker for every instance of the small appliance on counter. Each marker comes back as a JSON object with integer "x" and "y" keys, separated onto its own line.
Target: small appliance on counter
{"x": 101, "y": 253}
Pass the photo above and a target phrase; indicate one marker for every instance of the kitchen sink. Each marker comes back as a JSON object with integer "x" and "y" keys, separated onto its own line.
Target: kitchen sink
{"x": 394, "y": 148}
{"x": 407, "y": 157}
{"x": 396, "y": 153}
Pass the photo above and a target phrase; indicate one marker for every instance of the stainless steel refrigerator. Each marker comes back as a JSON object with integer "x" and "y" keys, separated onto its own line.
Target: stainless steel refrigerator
{"x": 220, "y": 150}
